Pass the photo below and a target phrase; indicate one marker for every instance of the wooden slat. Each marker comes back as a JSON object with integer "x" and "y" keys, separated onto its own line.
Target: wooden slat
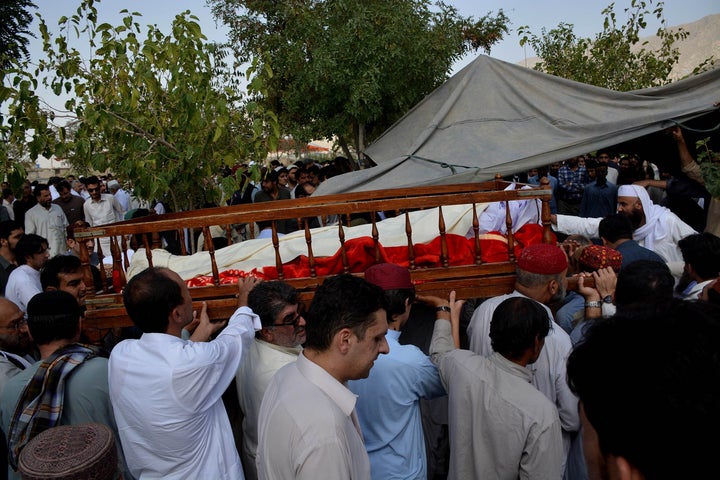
{"x": 470, "y": 281}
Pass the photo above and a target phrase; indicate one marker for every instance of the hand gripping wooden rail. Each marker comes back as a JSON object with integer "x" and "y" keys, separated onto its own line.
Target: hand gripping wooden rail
{"x": 471, "y": 279}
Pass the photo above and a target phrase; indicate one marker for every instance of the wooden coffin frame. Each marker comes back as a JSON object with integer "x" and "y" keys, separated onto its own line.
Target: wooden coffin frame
{"x": 105, "y": 310}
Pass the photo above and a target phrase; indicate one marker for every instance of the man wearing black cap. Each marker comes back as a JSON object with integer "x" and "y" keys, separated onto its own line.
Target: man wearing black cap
{"x": 68, "y": 386}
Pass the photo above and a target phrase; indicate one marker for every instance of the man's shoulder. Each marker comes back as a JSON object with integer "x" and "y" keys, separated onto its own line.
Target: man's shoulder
{"x": 33, "y": 210}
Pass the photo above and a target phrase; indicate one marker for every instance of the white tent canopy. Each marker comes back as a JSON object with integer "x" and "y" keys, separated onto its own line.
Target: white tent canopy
{"x": 495, "y": 117}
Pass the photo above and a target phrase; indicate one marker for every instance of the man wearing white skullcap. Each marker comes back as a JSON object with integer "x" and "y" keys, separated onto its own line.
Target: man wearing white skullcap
{"x": 655, "y": 227}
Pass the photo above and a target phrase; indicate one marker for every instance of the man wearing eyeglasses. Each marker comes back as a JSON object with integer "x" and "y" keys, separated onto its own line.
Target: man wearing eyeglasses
{"x": 101, "y": 209}
{"x": 15, "y": 345}
{"x": 307, "y": 426}
{"x": 278, "y": 343}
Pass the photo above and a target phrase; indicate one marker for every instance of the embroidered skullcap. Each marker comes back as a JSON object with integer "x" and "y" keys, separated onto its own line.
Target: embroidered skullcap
{"x": 112, "y": 184}
{"x": 543, "y": 258}
{"x": 70, "y": 452}
{"x": 389, "y": 276}
{"x": 595, "y": 257}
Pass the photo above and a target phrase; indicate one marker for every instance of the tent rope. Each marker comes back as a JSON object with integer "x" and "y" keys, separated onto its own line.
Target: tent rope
{"x": 696, "y": 130}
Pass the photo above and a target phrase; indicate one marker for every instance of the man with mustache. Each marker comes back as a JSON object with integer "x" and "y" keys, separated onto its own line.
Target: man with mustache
{"x": 278, "y": 343}
{"x": 654, "y": 227}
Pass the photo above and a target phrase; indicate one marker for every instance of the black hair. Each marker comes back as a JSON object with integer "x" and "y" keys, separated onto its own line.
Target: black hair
{"x": 28, "y": 245}
{"x": 39, "y": 188}
{"x": 615, "y": 227}
{"x": 342, "y": 301}
{"x": 55, "y": 266}
{"x": 702, "y": 252}
{"x": 9, "y": 226}
{"x": 53, "y": 315}
{"x": 267, "y": 299}
{"x": 644, "y": 282}
{"x": 150, "y": 297}
{"x": 515, "y": 325}
{"x": 649, "y": 383}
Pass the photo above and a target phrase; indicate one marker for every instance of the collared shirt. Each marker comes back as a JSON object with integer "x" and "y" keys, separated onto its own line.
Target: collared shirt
{"x": 9, "y": 207}
{"x": 599, "y": 200}
{"x": 501, "y": 426}
{"x": 549, "y": 369}
{"x": 50, "y": 224}
{"x": 256, "y": 370}
{"x": 388, "y": 408}
{"x": 104, "y": 211}
{"x": 694, "y": 290}
{"x": 572, "y": 183}
{"x": 167, "y": 396}
{"x": 308, "y": 428}
{"x": 23, "y": 284}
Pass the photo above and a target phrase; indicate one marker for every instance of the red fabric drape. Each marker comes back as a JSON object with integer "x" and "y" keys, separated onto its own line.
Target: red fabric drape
{"x": 361, "y": 255}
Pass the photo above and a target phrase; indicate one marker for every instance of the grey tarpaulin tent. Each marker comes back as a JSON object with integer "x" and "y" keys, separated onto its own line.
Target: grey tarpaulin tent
{"x": 496, "y": 117}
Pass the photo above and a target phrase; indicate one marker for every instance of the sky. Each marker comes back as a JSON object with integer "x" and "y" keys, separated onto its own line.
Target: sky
{"x": 585, "y": 15}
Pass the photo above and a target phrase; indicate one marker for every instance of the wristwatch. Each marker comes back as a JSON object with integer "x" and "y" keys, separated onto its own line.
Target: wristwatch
{"x": 594, "y": 304}
{"x": 608, "y": 299}
{"x": 442, "y": 308}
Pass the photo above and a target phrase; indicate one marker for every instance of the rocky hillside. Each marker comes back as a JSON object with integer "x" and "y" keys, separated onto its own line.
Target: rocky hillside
{"x": 703, "y": 42}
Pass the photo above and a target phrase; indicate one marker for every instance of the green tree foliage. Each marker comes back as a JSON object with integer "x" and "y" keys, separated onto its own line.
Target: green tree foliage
{"x": 616, "y": 58}
{"x": 350, "y": 68}
{"x": 15, "y": 20}
{"x": 163, "y": 112}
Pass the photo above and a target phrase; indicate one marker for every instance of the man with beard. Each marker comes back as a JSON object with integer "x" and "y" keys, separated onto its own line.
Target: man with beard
{"x": 15, "y": 346}
{"x": 654, "y": 227}
{"x": 278, "y": 343}
{"x": 616, "y": 231}
{"x": 541, "y": 276}
{"x": 10, "y": 233}
{"x": 47, "y": 220}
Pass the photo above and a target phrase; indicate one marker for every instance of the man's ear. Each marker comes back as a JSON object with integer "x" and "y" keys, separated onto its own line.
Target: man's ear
{"x": 552, "y": 287}
{"x": 625, "y": 470}
{"x": 176, "y": 316}
{"x": 343, "y": 340}
{"x": 267, "y": 334}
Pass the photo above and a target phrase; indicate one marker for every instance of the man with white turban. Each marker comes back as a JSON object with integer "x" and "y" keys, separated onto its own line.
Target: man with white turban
{"x": 655, "y": 227}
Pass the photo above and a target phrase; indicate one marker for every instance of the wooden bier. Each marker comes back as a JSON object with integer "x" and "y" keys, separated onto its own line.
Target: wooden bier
{"x": 105, "y": 309}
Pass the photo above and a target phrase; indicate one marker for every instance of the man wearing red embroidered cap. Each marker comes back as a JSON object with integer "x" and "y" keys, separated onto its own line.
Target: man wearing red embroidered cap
{"x": 388, "y": 403}
{"x": 541, "y": 271}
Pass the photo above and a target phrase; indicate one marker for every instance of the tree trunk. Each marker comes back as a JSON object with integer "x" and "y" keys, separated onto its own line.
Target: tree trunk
{"x": 346, "y": 150}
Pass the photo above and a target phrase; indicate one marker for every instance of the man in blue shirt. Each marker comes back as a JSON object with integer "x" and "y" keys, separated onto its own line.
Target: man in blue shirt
{"x": 388, "y": 406}
{"x": 599, "y": 197}
{"x": 616, "y": 231}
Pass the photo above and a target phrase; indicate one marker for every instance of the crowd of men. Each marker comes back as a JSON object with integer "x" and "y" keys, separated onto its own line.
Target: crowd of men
{"x": 616, "y": 377}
